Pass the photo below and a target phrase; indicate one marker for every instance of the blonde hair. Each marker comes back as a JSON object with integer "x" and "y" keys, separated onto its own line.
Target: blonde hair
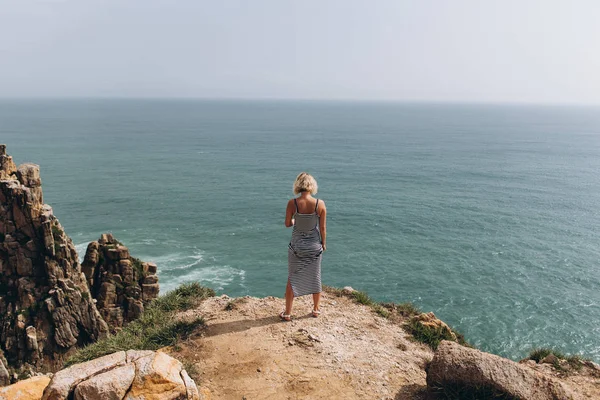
{"x": 305, "y": 183}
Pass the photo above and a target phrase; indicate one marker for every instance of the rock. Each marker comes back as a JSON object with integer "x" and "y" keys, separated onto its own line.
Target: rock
{"x": 4, "y": 375}
{"x": 46, "y": 305}
{"x": 149, "y": 268}
{"x": 150, "y": 291}
{"x": 190, "y": 386}
{"x": 28, "y": 389}
{"x": 135, "y": 374}
{"x": 7, "y": 166}
{"x": 348, "y": 290}
{"x": 111, "y": 385}
{"x": 64, "y": 382}
{"x": 157, "y": 377}
{"x": 31, "y": 338}
{"x": 29, "y": 175}
{"x": 454, "y": 364}
{"x": 116, "y": 280}
{"x": 550, "y": 359}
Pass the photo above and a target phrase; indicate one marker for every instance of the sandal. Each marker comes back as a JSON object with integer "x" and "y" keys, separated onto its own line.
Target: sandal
{"x": 316, "y": 313}
{"x": 285, "y": 317}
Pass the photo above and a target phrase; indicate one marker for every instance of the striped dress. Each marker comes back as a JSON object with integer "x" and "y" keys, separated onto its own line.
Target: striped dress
{"x": 304, "y": 254}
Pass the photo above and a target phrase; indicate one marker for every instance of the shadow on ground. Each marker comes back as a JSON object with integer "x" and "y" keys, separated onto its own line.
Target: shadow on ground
{"x": 244, "y": 324}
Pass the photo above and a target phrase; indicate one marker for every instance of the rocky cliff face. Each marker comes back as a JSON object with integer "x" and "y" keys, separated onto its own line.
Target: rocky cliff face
{"x": 121, "y": 284}
{"x": 46, "y": 308}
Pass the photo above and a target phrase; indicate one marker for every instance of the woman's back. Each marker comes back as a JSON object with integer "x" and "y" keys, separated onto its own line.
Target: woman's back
{"x": 306, "y": 216}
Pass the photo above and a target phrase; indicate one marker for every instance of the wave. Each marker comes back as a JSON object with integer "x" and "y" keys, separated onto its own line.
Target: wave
{"x": 216, "y": 277}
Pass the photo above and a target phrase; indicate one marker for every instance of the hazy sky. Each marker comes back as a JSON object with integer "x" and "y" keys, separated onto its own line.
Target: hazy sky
{"x": 440, "y": 50}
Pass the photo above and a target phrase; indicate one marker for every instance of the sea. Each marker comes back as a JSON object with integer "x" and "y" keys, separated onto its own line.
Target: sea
{"x": 486, "y": 214}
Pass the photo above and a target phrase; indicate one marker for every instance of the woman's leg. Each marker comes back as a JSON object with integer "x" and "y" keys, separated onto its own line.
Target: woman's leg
{"x": 289, "y": 298}
{"x": 316, "y": 301}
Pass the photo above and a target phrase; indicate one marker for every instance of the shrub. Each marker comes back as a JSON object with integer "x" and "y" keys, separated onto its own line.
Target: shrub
{"x": 362, "y": 298}
{"x": 381, "y": 310}
{"x": 538, "y": 354}
{"x": 433, "y": 335}
{"x": 157, "y": 327}
{"x": 407, "y": 309}
{"x": 186, "y": 296}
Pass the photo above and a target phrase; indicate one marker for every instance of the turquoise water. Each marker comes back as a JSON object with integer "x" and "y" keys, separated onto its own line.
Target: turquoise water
{"x": 486, "y": 215}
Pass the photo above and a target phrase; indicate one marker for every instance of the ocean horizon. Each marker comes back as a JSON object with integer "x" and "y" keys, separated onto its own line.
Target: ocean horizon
{"x": 485, "y": 214}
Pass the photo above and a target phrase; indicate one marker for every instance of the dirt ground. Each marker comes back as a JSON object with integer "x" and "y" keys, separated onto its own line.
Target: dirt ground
{"x": 349, "y": 352}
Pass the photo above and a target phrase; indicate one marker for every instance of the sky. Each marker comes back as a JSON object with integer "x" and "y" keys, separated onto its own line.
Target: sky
{"x": 525, "y": 51}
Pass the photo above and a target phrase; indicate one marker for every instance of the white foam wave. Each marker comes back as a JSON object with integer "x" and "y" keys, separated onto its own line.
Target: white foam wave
{"x": 81, "y": 249}
{"x": 216, "y": 277}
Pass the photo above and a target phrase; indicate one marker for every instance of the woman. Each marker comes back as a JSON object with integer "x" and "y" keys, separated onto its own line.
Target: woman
{"x": 308, "y": 217}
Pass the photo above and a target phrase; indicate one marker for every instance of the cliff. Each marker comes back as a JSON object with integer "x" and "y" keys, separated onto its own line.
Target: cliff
{"x": 46, "y": 309}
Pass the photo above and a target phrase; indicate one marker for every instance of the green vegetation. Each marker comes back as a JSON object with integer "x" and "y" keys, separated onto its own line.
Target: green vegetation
{"x": 56, "y": 231}
{"x": 138, "y": 267}
{"x": 157, "y": 327}
{"x": 2, "y": 237}
{"x": 385, "y": 310}
{"x": 185, "y": 297}
{"x": 407, "y": 309}
{"x": 362, "y": 298}
{"x": 433, "y": 335}
{"x": 574, "y": 361}
{"x": 381, "y": 310}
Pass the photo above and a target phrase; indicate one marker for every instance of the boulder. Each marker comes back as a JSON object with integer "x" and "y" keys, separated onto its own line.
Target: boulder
{"x": 28, "y": 389}
{"x": 158, "y": 377}
{"x": 64, "y": 382}
{"x": 143, "y": 375}
{"x": 111, "y": 385}
{"x": 462, "y": 367}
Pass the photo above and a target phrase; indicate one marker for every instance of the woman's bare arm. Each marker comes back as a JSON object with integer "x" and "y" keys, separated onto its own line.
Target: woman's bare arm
{"x": 289, "y": 213}
{"x": 323, "y": 224}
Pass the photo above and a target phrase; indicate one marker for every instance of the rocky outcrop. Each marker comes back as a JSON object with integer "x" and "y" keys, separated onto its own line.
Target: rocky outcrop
{"x": 4, "y": 375}
{"x": 463, "y": 368}
{"x": 46, "y": 309}
{"x": 121, "y": 284}
{"x": 124, "y": 375}
{"x": 28, "y": 389}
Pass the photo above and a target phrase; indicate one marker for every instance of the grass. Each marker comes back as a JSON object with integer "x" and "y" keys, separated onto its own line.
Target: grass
{"x": 186, "y": 296}
{"x": 407, "y": 309}
{"x": 138, "y": 268}
{"x": 385, "y": 310}
{"x": 157, "y": 327}
{"x": 433, "y": 336}
{"x": 538, "y": 354}
{"x": 56, "y": 231}
{"x": 362, "y": 298}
